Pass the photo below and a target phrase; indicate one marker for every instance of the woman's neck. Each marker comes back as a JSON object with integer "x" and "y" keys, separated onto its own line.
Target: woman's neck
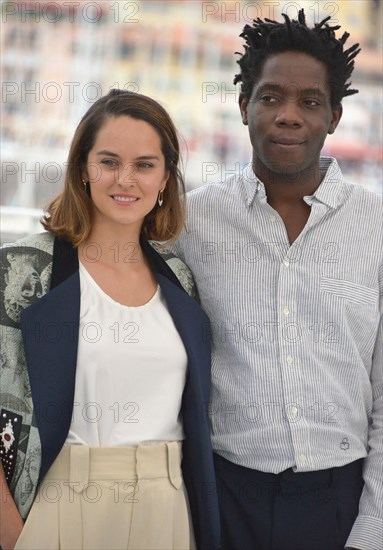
{"x": 120, "y": 249}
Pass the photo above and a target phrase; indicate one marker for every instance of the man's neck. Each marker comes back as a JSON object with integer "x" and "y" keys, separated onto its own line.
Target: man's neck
{"x": 288, "y": 188}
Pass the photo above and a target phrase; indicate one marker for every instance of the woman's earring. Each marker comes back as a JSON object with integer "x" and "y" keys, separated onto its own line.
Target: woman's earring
{"x": 87, "y": 186}
{"x": 160, "y": 197}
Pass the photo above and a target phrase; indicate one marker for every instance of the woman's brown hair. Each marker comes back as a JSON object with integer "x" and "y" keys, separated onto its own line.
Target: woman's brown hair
{"x": 69, "y": 215}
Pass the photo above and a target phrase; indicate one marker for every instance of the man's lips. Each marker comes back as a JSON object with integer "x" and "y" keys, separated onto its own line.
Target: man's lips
{"x": 288, "y": 143}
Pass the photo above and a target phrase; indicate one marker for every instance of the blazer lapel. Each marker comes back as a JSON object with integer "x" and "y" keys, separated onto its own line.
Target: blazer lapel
{"x": 193, "y": 326}
{"x": 50, "y": 334}
{"x": 191, "y": 321}
{"x": 158, "y": 264}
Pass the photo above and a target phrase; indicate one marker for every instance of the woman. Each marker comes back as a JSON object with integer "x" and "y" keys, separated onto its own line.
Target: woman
{"x": 105, "y": 376}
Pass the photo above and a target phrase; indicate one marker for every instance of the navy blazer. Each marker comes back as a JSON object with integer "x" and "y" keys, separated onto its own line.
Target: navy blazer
{"x": 50, "y": 330}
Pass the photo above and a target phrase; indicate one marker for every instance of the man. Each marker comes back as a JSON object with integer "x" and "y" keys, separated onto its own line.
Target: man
{"x": 288, "y": 260}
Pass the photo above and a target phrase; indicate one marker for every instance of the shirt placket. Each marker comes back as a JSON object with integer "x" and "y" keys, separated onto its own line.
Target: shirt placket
{"x": 290, "y": 357}
{"x": 289, "y": 339}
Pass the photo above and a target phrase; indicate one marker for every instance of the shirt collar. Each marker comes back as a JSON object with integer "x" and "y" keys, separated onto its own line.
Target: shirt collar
{"x": 251, "y": 184}
{"x": 330, "y": 191}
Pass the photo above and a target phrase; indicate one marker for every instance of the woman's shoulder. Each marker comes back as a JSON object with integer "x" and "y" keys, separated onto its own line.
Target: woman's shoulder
{"x": 179, "y": 268}
{"x": 41, "y": 242}
{"x": 25, "y": 275}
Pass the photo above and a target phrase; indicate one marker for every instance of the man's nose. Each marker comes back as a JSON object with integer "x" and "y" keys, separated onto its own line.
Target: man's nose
{"x": 289, "y": 114}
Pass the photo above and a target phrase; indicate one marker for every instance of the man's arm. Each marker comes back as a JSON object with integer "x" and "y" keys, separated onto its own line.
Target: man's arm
{"x": 11, "y": 522}
{"x": 367, "y": 532}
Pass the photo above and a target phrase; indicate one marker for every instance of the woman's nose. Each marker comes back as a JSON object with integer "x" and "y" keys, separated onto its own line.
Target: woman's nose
{"x": 127, "y": 175}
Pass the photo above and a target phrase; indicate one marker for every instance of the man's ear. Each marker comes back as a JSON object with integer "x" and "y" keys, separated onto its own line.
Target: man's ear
{"x": 243, "y": 103}
{"x": 336, "y": 116}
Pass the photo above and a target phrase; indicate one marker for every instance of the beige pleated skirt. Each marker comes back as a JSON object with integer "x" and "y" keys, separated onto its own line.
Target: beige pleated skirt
{"x": 111, "y": 498}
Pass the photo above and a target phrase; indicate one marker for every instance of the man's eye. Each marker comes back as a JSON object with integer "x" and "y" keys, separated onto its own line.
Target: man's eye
{"x": 312, "y": 102}
{"x": 268, "y": 98}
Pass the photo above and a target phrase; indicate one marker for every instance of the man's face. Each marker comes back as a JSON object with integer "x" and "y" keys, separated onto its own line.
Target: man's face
{"x": 289, "y": 115}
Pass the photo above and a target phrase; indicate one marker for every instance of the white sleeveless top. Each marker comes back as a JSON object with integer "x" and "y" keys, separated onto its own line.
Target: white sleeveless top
{"x": 131, "y": 371}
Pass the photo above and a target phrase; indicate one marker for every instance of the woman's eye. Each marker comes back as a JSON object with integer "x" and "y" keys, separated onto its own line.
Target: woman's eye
{"x": 145, "y": 165}
{"x": 109, "y": 162}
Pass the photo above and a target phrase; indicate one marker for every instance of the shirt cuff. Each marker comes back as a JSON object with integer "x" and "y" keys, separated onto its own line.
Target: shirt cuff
{"x": 366, "y": 534}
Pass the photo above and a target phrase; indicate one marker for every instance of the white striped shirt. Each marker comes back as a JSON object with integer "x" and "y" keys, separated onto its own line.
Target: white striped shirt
{"x": 297, "y": 329}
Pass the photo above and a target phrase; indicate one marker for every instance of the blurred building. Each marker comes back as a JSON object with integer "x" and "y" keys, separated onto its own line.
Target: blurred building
{"x": 58, "y": 57}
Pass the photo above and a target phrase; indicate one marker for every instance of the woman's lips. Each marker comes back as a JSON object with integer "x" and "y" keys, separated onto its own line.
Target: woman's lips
{"x": 125, "y": 200}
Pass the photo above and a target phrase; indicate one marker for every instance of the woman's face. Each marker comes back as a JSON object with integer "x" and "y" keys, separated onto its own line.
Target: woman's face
{"x": 126, "y": 171}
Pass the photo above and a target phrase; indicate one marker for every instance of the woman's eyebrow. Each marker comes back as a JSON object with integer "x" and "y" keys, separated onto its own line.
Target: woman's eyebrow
{"x": 106, "y": 152}
{"x": 147, "y": 157}
{"x": 141, "y": 157}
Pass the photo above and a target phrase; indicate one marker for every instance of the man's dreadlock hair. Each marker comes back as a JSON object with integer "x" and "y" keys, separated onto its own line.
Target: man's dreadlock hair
{"x": 268, "y": 37}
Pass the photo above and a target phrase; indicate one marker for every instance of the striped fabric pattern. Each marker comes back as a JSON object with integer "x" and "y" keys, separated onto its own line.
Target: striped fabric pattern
{"x": 297, "y": 365}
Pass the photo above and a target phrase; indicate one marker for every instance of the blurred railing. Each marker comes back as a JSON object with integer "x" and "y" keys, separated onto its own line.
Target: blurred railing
{"x": 17, "y": 222}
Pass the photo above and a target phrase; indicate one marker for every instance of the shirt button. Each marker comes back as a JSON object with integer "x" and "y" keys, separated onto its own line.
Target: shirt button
{"x": 302, "y": 459}
{"x": 286, "y": 263}
{"x": 289, "y": 359}
{"x": 294, "y": 411}
{"x": 273, "y": 218}
{"x": 286, "y": 310}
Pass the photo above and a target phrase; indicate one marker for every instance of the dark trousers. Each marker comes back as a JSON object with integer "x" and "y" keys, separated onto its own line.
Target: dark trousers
{"x": 287, "y": 511}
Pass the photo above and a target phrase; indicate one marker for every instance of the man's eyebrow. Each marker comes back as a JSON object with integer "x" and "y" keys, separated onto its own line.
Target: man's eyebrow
{"x": 289, "y": 88}
{"x": 314, "y": 91}
{"x": 268, "y": 85}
